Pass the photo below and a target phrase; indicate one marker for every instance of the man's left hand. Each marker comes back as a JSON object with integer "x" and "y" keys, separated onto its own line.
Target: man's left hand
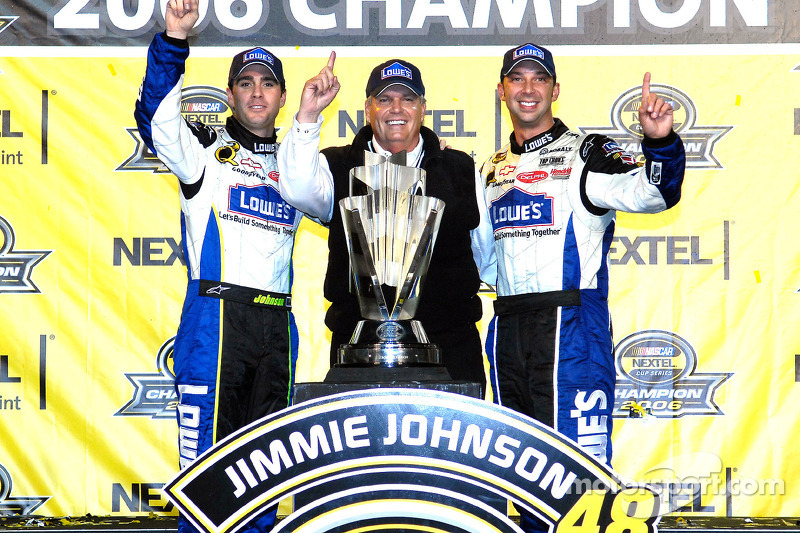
{"x": 318, "y": 93}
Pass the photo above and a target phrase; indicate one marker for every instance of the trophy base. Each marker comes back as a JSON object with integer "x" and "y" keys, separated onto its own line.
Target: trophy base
{"x": 389, "y": 354}
{"x": 389, "y": 343}
{"x": 388, "y": 363}
{"x": 388, "y": 351}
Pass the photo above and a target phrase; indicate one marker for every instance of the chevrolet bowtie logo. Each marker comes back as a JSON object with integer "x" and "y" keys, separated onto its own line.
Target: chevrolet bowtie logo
{"x": 217, "y": 290}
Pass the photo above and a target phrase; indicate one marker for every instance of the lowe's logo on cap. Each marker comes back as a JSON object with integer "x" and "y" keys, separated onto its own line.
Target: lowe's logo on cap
{"x": 258, "y": 54}
{"x": 528, "y": 50}
{"x": 396, "y": 70}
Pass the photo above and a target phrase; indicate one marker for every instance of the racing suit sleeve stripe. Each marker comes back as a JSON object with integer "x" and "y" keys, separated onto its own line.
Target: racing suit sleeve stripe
{"x": 180, "y": 147}
{"x": 166, "y": 65}
{"x": 571, "y": 266}
{"x": 212, "y": 266}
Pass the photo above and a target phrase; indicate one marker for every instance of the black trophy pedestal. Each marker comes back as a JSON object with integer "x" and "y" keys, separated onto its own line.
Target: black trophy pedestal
{"x": 346, "y": 378}
{"x": 368, "y": 374}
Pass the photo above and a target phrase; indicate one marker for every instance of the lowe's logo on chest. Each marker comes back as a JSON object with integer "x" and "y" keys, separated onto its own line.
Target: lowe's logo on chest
{"x": 519, "y": 209}
{"x": 261, "y": 201}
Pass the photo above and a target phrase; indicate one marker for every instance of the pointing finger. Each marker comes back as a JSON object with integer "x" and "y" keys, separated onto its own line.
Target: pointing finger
{"x": 646, "y": 91}
{"x": 331, "y": 60}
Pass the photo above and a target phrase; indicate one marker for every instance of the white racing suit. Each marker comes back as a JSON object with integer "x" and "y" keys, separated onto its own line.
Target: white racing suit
{"x": 236, "y": 347}
{"x": 552, "y": 205}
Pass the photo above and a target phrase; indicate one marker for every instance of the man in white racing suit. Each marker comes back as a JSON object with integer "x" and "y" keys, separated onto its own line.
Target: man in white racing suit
{"x": 552, "y": 196}
{"x": 236, "y": 348}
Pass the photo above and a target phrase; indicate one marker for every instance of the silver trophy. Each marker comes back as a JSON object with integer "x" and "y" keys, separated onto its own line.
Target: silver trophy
{"x": 391, "y": 231}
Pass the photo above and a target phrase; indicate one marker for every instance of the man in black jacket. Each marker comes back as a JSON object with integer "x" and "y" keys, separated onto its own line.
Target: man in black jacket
{"x": 314, "y": 182}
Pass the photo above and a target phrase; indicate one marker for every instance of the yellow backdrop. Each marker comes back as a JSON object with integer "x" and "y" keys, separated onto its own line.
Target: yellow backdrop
{"x": 91, "y": 288}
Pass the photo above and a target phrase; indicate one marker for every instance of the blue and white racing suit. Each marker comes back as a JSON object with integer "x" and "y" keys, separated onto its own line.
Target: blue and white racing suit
{"x": 236, "y": 348}
{"x": 552, "y": 204}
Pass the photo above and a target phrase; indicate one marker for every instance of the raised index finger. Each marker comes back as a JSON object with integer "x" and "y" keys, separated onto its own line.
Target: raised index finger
{"x": 646, "y": 87}
{"x": 331, "y": 59}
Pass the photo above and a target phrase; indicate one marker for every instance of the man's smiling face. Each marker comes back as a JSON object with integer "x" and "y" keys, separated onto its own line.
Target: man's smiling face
{"x": 529, "y": 92}
{"x": 396, "y": 117}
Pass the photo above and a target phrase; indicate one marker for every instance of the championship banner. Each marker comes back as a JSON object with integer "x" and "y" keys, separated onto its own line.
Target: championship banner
{"x": 410, "y": 22}
{"x": 414, "y": 459}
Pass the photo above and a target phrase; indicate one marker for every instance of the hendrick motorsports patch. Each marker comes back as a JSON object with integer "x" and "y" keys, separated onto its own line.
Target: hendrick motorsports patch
{"x": 406, "y": 459}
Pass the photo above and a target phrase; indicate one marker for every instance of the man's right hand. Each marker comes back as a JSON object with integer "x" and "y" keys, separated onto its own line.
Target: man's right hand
{"x": 318, "y": 93}
{"x": 181, "y": 16}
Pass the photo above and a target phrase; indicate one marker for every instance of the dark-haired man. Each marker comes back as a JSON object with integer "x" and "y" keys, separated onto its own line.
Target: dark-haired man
{"x": 236, "y": 347}
{"x": 552, "y": 196}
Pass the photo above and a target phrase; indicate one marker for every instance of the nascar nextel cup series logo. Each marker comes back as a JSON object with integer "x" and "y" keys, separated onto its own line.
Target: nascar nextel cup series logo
{"x": 699, "y": 141}
{"x": 154, "y": 393}
{"x": 656, "y": 376}
{"x": 16, "y": 268}
{"x": 16, "y": 505}
{"x": 199, "y": 103}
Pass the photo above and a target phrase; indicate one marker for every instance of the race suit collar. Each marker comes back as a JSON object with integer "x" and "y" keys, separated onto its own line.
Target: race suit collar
{"x": 249, "y": 140}
{"x": 536, "y": 142}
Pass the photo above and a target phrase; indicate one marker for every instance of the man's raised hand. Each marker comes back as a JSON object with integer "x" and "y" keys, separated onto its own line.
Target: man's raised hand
{"x": 181, "y": 16}
{"x": 318, "y": 93}
{"x": 655, "y": 114}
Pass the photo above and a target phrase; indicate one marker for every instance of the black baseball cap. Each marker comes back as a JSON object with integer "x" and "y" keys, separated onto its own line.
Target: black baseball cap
{"x": 528, "y": 52}
{"x": 256, "y": 56}
{"x": 392, "y": 72}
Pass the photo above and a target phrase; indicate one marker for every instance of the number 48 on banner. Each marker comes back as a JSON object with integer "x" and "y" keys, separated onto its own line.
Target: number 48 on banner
{"x": 630, "y": 510}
